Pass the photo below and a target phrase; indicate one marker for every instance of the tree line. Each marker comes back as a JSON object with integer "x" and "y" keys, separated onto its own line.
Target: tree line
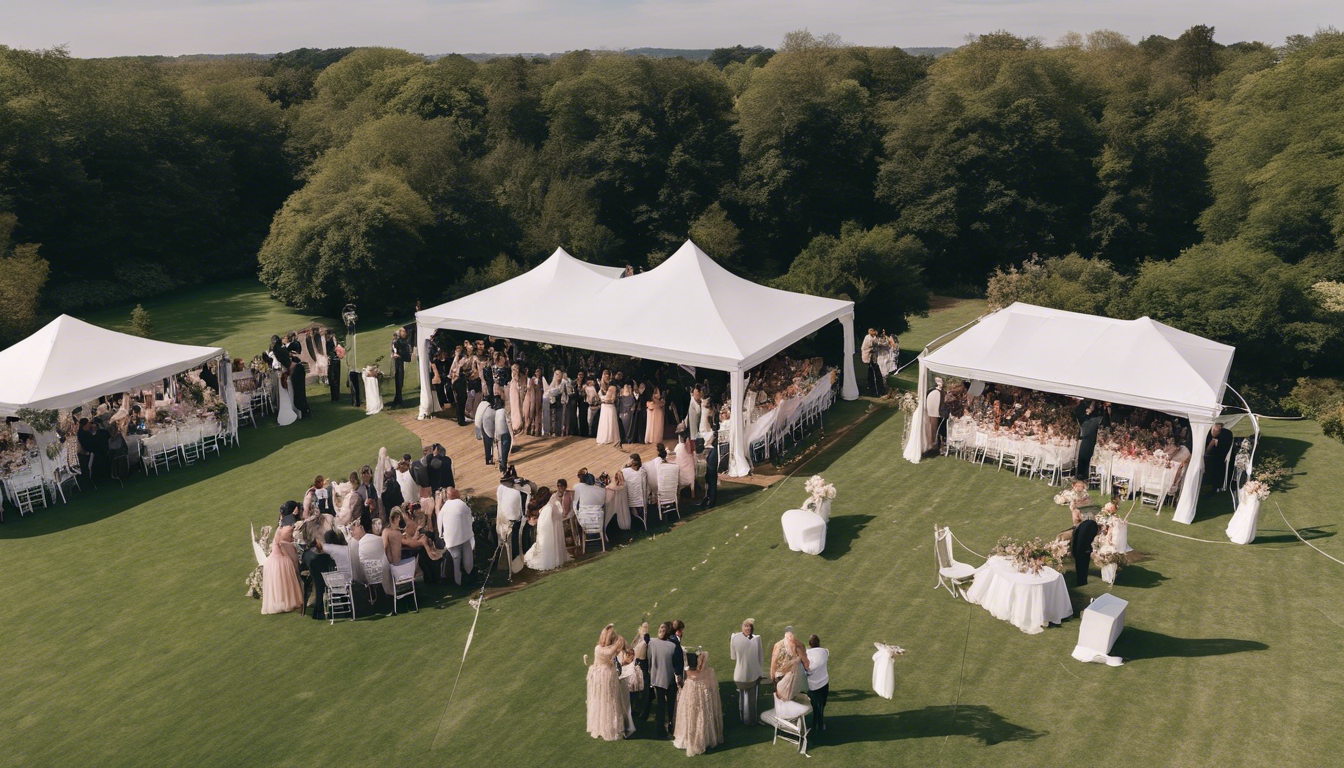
{"x": 1195, "y": 182}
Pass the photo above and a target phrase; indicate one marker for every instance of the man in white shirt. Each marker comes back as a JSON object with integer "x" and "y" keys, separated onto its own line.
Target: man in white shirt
{"x": 485, "y": 429}
{"x": 693, "y": 413}
{"x": 455, "y": 530}
{"x": 868, "y": 354}
{"x": 818, "y": 680}
{"x": 748, "y": 651}
{"x": 636, "y": 484}
{"x": 933, "y": 412}
{"x": 503, "y": 433}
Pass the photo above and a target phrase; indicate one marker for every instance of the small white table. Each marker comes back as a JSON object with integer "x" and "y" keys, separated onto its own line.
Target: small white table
{"x": 1028, "y": 601}
{"x": 804, "y": 531}
{"x": 1102, "y": 622}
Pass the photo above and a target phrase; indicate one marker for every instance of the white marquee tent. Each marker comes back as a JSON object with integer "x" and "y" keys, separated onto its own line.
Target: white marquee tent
{"x": 70, "y": 362}
{"x": 1141, "y": 363}
{"x": 687, "y": 310}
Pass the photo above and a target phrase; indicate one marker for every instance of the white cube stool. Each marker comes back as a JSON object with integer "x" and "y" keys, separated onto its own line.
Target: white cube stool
{"x": 1102, "y": 622}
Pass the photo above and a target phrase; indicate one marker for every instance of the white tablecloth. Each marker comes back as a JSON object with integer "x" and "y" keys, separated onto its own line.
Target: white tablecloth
{"x": 1028, "y": 601}
{"x": 1241, "y": 528}
{"x": 792, "y": 409}
{"x": 804, "y": 531}
{"x": 1102, "y": 622}
{"x": 1059, "y": 450}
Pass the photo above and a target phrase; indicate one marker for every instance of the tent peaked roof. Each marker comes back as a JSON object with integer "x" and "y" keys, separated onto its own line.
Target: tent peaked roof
{"x": 1137, "y": 362}
{"x": 69, "y": 362}
{"x": 687, "y": 310}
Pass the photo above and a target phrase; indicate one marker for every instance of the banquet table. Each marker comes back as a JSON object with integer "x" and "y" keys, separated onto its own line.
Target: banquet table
{"x": 1028, "y": 601}
{"x": 1137, "y": 468}
{"x": 784, "y": 415}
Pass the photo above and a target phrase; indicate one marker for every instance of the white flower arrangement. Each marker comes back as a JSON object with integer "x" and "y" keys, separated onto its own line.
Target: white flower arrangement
{"x": 819, "y": 489}
{"x": 908, "y": 402}
{"x": 1069, "y": 497}
{"x": 1257, "y": 489}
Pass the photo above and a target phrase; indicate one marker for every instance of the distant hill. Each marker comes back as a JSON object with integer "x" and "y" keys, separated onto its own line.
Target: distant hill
{"x": 693, "y": 54}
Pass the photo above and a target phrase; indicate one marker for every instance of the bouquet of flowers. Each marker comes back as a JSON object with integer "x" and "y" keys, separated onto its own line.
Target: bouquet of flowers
{"x": 53, "y": 450}
{"x": 191, "y": 392}
{"x": 819, "y": 489}
{"x": 1032, "y": 556}
{"x": 908, "y": 403}
{"x": 1256, "y": 488}
{"x": 1070, "y": 497}
{"x": 254, "y": 578}
{"x": 1108, "y": 515}
{"x": 1108, "y": 555}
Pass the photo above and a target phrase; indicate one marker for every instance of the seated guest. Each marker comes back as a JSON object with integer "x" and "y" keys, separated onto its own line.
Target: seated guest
{"x": 394, "y": 535}
{"x": 441, "y": 469}
{"x": 410, "y": 490}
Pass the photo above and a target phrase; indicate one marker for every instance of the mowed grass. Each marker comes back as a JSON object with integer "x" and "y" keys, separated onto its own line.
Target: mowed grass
{"x": 129, "y": 641}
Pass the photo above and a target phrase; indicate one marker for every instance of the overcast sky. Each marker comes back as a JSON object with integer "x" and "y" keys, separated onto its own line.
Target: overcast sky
{"x": 169, "y": 27}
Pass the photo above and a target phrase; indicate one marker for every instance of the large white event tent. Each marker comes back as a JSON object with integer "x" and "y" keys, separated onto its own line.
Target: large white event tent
{"x": 1141, "y": 363}
{"x": 70, "y": 362}
{"x": 687, "y": 310}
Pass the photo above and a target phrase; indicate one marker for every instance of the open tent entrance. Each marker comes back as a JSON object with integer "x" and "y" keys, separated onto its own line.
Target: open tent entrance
{"x": 716, "y": 320}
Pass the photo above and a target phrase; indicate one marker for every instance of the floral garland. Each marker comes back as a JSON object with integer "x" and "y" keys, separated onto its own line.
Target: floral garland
{"x": 1034, "y": 555}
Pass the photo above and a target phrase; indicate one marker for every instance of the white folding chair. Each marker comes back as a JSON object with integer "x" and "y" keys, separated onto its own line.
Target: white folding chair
{"x": 591, "y": 521}
{"x": 339, "y": 597}
{"x": 789, "y": 719}
{"x": 951, "y": 574}
{"x": 158, "y": 454}
{"x": 981, "y": 446}
{"x": 373, "y": 574}
{"x": 403, "y": 584}
{"x": 669, "y": 500}
{"x": 1010, "y": 455}
{"x": 1153, "y": 488}
{"x": 189, "y": 444}
{"x": 28, "y": 493}
{"x": 1098, "y": 473}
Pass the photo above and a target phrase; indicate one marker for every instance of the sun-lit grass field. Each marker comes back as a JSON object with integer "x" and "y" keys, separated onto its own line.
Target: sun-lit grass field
{"x": 128, "y": 640}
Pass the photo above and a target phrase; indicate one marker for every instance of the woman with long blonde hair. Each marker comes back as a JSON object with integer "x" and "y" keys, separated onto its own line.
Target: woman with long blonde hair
{"x": 606, "y": 711}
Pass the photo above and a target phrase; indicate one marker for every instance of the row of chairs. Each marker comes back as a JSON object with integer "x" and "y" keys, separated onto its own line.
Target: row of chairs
{"x": 339, "y": 597}
{"x": 163, "y": 454}
{"x": 1153, "y": 489}
{"x": 1008, "y": 454}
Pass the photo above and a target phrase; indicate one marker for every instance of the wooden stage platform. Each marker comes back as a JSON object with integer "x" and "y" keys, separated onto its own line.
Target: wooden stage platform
{"x": 539, "y": 459}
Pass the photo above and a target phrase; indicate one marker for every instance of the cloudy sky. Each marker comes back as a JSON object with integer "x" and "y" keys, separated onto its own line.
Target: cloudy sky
{"x": 169, "y": 27}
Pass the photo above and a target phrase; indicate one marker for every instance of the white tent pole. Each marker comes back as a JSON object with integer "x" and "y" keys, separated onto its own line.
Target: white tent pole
{"x": 422, "y": 336}
{"x": 738, "y": 463}
{"x": 850, "y": 389}
{"x": 914, "y": 443}
{"x": 1194, "y": 474}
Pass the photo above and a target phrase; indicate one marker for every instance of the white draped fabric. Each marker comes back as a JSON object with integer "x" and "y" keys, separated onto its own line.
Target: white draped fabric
{"x": 1241, "y": 528}
{"x": 1028, "y": 601}
{"x": 804, "y": 531}
{"x": 723, "y": 321}
{"x": 1140, "y": 362}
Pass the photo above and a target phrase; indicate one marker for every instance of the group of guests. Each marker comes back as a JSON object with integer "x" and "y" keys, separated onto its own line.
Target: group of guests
{"x": 663, "y": 676}
{"x": 387, "y": 514}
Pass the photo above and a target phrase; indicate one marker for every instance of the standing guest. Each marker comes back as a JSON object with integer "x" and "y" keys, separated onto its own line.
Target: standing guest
{"x": 1091, "y": 417}
{"x": 640, "y": 425}
{"x": 455, "y": 530}
{"x": 1215, "y": 455}
{"x": 528, "y": 401}
{"x": 460, "y": 374}
{"x": 788, "y": 663}
{"x": 608, "y": 428}
{"x": 485, "y": 429}
{"x": 441, "y": 469}
{"x": 534, "y": 401}
{"x": 517, "y": 387}
{"x": 643, "y": 704}
{"x": 553, "y": 393}
{"x": 440, "y": 378}
{"x": 711, "y": 472}
{"x": 292, "y": 346}
{"x": 699, "y": 721}
{"x": 933, "y": 414}
{"x": 503, "y": 433}
{"x": 868, "y": 354}
{"x": 686, "y": 463}
{"x": 410, "y": 489}
{"x": 625, "y": 411}
{"x": 1081, "y": 544}
{"x": 818, "y": 680}
{"x": 281, "y": 591}
{"x": 693, "y": 409}
{"x": 298, "y": 384}
{"x": 657, "y": 408}
{"x": 320, "y": 496}
{"x": 709, "y": 416}
{"x": 391, "y": 495}
{"x": 666, "y": 672}
{"x": 401, "y": 352}
{"x": 746, "y": 649}
{"x": 582, "y": 400}
{"x": 335, "y": 353}
{"x": 501, "y": 375}
{"x": 606, "y": 711}
{"x": 632, "y": 687}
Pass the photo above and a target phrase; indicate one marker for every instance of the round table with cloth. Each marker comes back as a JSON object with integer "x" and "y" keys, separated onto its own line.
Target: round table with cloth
{"x": 804, "y": 531}
{"x": 1028, "y": 601}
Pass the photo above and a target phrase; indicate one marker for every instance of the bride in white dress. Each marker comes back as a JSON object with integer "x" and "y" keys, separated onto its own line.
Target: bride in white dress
{"x": 549, "y": 552}
{"x": 286, "y": 414}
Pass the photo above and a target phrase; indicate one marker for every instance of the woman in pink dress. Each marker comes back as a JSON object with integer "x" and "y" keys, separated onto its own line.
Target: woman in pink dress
{"x": 515, "y": 398}
{"x": 608, "y": 431}
{"x": 280, "y": 588}
{"x": 653, "y": 433}
{"x": 533, "y": 403}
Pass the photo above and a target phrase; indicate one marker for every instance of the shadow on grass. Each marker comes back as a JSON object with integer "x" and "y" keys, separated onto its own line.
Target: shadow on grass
{"x": 975, "y": 721}
{"x": 855, "y": 435}
{"x": 1135, "y": 644}
{"x": 1310, "y": 534}
{"x": 841, "y": 533}
{"x": 1139, "y": 577}
{"x": 90, "y": 505}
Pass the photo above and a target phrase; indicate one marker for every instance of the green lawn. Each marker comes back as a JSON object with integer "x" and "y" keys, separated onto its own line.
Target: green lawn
{"x": 129, "y": 641}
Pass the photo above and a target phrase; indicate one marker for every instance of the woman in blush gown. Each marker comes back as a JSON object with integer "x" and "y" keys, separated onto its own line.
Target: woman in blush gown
{"x": 286, "y": 414}
{"x": 515, "y": 389}
{"x": 533, "y": 402}
{"x": 653, "y": 433}
{"x": 548, "y": 552}
{"x": 787, "y": 665}
{"x": 699, "y": 721}
{"x": 608, "y": 431}
{"x": 280, "y": 588}
{"x": 606, "y": 711}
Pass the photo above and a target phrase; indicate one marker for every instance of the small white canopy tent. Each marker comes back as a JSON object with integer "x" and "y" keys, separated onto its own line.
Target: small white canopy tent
{"x": 70, "y": 362}
{"x": 1141, "y": 363}
{"x": 713, "y": 319}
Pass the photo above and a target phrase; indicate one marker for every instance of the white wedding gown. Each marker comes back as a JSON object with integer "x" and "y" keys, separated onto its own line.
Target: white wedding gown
{"x": 372, "y": 395}
{"x": 548, "y": 553}
{"x": 286, "y": 414}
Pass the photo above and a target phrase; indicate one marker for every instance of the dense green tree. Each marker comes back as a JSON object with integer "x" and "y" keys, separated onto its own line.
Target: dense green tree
{"x": 878, "y": 269}
{"x": 1197, "y": 55}
{"x": 1071, "y": 283}
{"x": 722, "y": 57}
{"x": 23, "y": 274}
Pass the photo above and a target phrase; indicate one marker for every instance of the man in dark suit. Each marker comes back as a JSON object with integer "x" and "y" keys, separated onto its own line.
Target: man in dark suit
{"x": 391, "y": 496}
{"x": 333, "y": 367}
{"x": 401, "y": 352}
{"x": 711, "y": 472}
{"x": 1090, "y": 415}
{"x": 292, "y": 345}
{"x": 1083, "y": 535}
{"x": 666, "y": 673}
{"x": 297, "y": 374}
{"x": 460, "y": 394}
{"x": 1215, "y": 455}
{"x": 420, "y": 470}
{"x": 440, "y": 469}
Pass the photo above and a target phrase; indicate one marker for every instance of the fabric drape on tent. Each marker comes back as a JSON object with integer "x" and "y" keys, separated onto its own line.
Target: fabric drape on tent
{"x": 687, "y": 311}
{"x": 1142, "y": 363}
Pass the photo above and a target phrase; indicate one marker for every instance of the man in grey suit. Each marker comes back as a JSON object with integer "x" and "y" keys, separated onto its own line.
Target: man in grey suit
{"x": 747, "y": 650}
{"x": 666, "y": 673}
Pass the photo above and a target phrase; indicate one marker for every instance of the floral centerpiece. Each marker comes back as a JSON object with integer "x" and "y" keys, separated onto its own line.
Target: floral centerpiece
{"x": 254, "y": 578}
{"x": 1034, "y": 555}
{"x": 1110, "y": 560}
{"x": 1255, "y": 488}
{"x": 820, "y": 494}
{"x": 372, "y": 371}
{"x": 191, "y": 392}
{"x": 1073, "y": 497}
